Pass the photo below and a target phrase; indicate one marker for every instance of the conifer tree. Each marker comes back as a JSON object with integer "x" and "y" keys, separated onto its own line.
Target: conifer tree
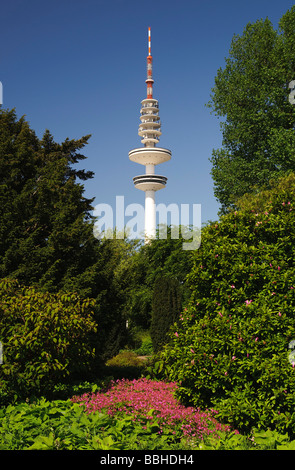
{"x": 166, "y": 308}
{"x": 46, "y": 224}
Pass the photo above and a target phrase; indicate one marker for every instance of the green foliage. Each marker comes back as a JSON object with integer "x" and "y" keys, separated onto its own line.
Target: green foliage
{"x": 251, "y": 95}
{"x": 161, "y": 257}
{"x": 126, "y": 365}
{"x": 230, "y": 349}
{"x": 45, "y": 337}
{"x": 166, "y": 308}
{"x": 60, "y": 425}
{"x": 46, "y": 227}
{"x": 146, "y": 346}
{"x": 63, "y": 425}
{"x": 46, "y": 224}
{"x": 258, "y": 440}
{"x": 114, "y": 278}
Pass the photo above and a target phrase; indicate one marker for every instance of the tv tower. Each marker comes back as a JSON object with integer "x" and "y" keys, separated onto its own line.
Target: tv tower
{"x": 149, "y": 155}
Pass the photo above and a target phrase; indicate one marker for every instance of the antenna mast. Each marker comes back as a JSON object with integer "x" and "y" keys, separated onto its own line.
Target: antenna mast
{"x": 149, "y": 80}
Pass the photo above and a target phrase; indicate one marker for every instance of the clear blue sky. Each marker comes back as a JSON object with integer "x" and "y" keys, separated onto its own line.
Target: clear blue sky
{"x": 79, "y": 67}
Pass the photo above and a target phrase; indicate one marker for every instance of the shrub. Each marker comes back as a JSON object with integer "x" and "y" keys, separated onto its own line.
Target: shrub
{"x": 57, "y": 425}
{"x": 230, "y": 349}
{"x": 125, "y": 364}
{"x": 125, "y": 358}
{"x": 146, "y": 347}
{"x": 44, "y": 336}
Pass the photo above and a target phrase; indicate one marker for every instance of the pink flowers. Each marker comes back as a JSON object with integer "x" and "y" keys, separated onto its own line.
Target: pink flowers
{"x": 176, "y": 334}
{"x": 138, "y": 397}
{"x": 248, "y": 302}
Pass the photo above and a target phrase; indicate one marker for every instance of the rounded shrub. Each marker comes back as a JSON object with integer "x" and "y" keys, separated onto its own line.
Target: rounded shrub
{"x": 45, "y": 337}
{"x": 230, "y": 349}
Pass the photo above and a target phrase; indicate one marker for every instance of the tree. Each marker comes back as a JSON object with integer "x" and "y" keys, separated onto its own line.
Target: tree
{"x": 166, "y": 308}
{"x": 251, "y": 94}
{"x": 160, "y": 258}
{"x": 115, "y": 277}
{"x": 46, "y": 224}
{"x": 231, "y": 348}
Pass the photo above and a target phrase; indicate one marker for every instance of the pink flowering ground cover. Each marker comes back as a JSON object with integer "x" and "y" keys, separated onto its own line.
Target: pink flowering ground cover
{"x": 140, "y": 396}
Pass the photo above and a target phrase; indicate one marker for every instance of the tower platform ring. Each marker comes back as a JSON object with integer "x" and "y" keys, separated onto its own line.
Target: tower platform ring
{"x": 150, "y": 155}
{"x": 150, "y": 182}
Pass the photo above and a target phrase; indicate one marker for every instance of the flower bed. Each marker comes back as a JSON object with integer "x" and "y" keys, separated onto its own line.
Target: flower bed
{"x": 147, "y": 399}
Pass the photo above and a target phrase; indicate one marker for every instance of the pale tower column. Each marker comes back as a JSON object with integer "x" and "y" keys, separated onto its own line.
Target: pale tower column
{"x": 149, "y": 155}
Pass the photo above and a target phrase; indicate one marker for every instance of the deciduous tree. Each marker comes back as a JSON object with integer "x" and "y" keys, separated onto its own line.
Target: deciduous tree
{"x": 251, "y": 97}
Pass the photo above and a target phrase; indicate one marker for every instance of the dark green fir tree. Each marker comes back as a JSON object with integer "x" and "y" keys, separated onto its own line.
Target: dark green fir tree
{"x": 166, "y": 308}
{"x": 46, "y": 224}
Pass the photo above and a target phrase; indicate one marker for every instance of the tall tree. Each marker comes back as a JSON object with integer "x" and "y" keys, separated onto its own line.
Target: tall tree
{"x": 251, "y": 94}
{"x": 46, "y": 224}
{"x": 166, "y": 308}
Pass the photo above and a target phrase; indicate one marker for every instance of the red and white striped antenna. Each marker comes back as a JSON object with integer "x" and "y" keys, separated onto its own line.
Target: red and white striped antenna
{"x": 149, "y": 80}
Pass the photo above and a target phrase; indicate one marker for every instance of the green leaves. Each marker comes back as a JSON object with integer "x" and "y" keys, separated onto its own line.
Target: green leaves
{"x": 251, "y": 93}
{"x": 166, "y": 308}
{"x": 61, "y": 425}
{"x": 240, "y": 318}
{"x": 45, "y": 337}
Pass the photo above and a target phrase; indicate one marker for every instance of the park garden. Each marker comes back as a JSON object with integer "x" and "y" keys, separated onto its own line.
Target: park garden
{"x": 110, "y": 344}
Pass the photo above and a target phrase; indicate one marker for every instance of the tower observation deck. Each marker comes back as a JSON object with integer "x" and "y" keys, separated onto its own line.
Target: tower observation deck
{"x": 149, "y": 155}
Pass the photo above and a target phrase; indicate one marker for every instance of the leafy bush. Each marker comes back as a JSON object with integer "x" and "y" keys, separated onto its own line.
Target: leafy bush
{"x": 58, "y": 425}
{"x": 258, "y": 440}
{"x": 230, "y": 349}
{"x": 146, "y": 347}
{"x": 125, "y": 364}
{"x": 125, "y": 358}
{"x": 44, "y": 337}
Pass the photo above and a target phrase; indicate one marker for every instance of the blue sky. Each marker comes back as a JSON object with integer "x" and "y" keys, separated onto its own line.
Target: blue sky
{"x": 79, "y": 67}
